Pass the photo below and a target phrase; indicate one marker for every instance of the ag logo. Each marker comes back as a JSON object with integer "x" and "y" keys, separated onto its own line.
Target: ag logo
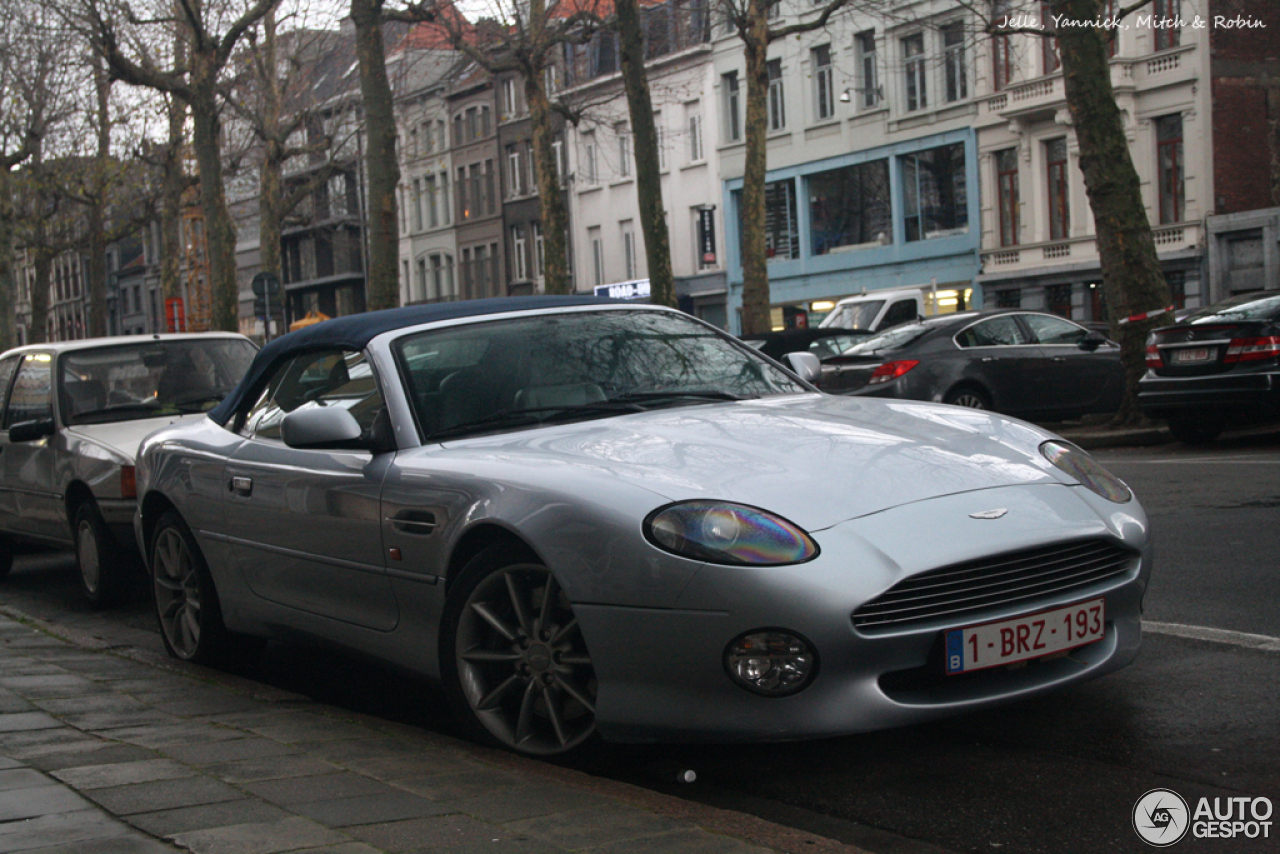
{"x": 1161, "y": 817}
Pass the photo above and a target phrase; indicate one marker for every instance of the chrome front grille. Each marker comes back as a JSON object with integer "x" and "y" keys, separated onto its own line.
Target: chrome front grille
{"x": 979, "y": 585}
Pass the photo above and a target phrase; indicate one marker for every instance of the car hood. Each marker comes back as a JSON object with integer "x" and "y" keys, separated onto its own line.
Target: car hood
{"x": 123, "y": 437}
{"x": 817, "y": 460}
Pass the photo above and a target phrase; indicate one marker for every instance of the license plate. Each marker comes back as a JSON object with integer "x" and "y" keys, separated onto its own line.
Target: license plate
{"x": 1194, "y": 354}
{"x": 1024, "y": 638}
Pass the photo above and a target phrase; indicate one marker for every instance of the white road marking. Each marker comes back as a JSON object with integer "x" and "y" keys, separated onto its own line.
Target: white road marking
{"x": 1242, "y": 639}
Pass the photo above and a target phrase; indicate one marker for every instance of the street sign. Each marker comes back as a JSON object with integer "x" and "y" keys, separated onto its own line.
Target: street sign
{"x": 266, "y": 284}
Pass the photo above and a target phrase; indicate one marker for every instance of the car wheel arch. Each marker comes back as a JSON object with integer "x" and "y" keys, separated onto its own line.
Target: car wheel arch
{"x": 480, "y": 537}
{"x": 973, "y": 386}
{"x": 152, "y": 506}
{"x": 77, "y": 493}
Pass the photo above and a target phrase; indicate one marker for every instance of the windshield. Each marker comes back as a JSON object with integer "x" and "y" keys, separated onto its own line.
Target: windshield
{"x": 525, "y": 371}
{"x": 890, "y": 339}
{"x": 150, "y": 378}
{"x": 1242, "y": 307}
{"x": 855, "y": 315}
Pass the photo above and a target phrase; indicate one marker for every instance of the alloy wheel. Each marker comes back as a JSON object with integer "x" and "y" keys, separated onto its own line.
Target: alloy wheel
{"x": 178, "y": 594}
{"x": 523, "y": 666}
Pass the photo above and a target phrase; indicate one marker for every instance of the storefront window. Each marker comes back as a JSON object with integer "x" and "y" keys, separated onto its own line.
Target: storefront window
{"x": 850, "y": 208}
{"x": 935, "y": 197}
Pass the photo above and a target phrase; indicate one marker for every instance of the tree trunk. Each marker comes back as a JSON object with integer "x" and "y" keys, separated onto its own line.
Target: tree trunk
{"x": 42, "y": 262}
{"x": 1131, "y": 276}
{"x": 553, "y": 213}
{"x": 174, "y": 185}
{"x": 99, "y": 185}
{"x": 219, "y": 230}
{"x": 383, "y": 172}
{"x": 8, "y": 282}
{"x": 270, "y": 179}
{"x": 755, "y": 272}
{"x": 644, "y": 134}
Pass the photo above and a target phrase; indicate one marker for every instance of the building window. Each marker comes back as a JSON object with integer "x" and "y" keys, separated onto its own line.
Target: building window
{"x": 782, "y": 233}
{"x": 539, "y": 260}
{"x": 1164, "y": 14}
{"x": 935, "y": 197}
{"x": 441, "y": 276}
{"x": 1169, "y": 162}
{"x": 420, "y": 286}
{"x": 1001, "y": 61}
{"x": 624, "y": 151}
{"x": 509, "y": 110}
{"x": 444, "y": 198}
{"x": 490, "y": 188}
{"x": 629, "y": 251}
{"x": 695, "y": 138}
{"x": 417, "y": 205}
{"x": 869, "y": 90}
{"x": 953, "y": 58}
{"x": 589, "y": 158}
{"x": 1048, "y": 45}
{"x": 662, "y": 145}
{"x": 914, "y": 69}
{"x": 433, "y": 214}
{"x": 463, "y": 211}
{"x": 1057, "y": 298}
{"x": 732, "y": 107}
{"x": 850, "y": 207}
{"x": 515, "y": 171}
{"x": 824, "y": 81}
{"x": 1009, "y": 298}
{"x": 519, "y": 264}
{"x": 597, "y": 254}
{"x": 1055, "y": 156}
{"x": 777, "y": 105}
{"x": 1007, "y": 187}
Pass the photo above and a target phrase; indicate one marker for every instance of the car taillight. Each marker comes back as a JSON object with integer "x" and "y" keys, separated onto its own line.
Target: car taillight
{"x": 128, "y": 482}
{"x": 1153, "y": 355}
{"x": 891, "y": 371}
{"x": 1253, "y": 349}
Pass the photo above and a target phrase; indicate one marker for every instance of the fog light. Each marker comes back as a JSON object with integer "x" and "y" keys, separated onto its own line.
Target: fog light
{"x": 771, "y": 662}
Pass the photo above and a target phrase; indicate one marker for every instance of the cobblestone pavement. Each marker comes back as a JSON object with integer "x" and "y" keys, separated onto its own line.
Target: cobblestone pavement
{"x": 106, "y": 748}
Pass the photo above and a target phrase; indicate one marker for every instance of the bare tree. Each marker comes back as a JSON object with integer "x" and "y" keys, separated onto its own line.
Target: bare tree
{"x": 33, "y": 93}
{"x": 653, "y": 222}
{"x": 1132, "y": 279}
{"x": 750, "y": 19}
{"x": 211, "y": 32}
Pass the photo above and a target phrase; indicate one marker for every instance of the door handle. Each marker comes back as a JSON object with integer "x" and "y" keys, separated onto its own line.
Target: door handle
{"x": 242, "y": 486}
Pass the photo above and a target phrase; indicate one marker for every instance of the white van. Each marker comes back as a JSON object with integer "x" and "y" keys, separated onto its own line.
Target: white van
{"x": 879, "y": 310}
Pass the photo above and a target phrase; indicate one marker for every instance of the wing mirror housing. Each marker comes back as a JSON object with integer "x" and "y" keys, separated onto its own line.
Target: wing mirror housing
{"x": 1092, "y": 341}
{"x": 30, "y": 431}
{"x": 805, "y": 365}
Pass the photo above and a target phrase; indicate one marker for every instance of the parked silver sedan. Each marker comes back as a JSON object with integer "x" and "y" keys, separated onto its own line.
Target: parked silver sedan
{"x": 73, "y": 414}
{"x": 587, "y": 517}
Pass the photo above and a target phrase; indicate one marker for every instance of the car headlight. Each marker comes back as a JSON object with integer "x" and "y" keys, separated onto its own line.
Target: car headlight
{"x": 722, "y": 532}
{"x": 1087, "y": 470}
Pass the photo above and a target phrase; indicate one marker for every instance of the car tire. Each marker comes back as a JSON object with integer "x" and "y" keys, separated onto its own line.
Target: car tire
{"x": 186, "y": 601}
{"x": 514, "y": 663}
{"x": 970, "y": 396}
{"x": 1196, "y": 430}
{"x": 106, "y": 568}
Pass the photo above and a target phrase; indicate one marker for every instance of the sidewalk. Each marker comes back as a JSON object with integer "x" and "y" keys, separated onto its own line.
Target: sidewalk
{"x": 107, "y": 747}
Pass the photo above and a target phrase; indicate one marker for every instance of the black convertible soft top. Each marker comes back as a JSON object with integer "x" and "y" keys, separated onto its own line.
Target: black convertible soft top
{"x": 354, "y": 331}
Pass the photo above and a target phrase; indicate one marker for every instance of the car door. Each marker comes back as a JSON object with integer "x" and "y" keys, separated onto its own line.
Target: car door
{"x": 1074, "y": 380}
{"x": 32, "y": 500}
{"x": 305, "y": 523}
{"x": 8, "y": 367}
{"x": 999, "y": 356}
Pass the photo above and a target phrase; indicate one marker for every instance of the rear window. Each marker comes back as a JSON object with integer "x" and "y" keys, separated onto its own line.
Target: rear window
{"x": 1242, "y": 307}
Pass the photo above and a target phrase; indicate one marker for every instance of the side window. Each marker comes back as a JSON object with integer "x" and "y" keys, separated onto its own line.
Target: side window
{"x": 31, "y": 398}
{"x": 1000, "y": 331}
{"x": 1054, "y": 330}
{"x": 7, "y": 367}
{"x": 328, "y": 378}
{"x": 902, "y": 311}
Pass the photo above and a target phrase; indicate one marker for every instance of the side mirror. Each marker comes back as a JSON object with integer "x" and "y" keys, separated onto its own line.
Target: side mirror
{"x": 805, "y": 365}
{"x": 30, "y": 431}
{"x": 322, "y": 428}
{"x": 1092, "y": 341}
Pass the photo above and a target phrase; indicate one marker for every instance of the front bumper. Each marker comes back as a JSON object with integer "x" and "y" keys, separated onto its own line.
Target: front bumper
{"x": 661, "y": 673}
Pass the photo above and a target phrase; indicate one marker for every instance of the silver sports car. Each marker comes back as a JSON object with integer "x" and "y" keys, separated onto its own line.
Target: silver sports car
{"x": 585, "y": 517}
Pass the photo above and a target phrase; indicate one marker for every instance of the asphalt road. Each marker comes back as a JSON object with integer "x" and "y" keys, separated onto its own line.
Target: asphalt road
{"x": 1198, "y": 715}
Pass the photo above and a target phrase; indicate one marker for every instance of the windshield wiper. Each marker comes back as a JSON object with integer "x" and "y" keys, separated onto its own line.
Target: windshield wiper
{"x": 196, "y": 403}
{"x": 692, "y": 396}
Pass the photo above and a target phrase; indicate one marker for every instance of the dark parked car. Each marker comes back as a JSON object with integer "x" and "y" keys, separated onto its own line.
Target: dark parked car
{"x": 1026, "y": 363}
{"x": 1218, "y": 365}
{"x": 826, "y": 344}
